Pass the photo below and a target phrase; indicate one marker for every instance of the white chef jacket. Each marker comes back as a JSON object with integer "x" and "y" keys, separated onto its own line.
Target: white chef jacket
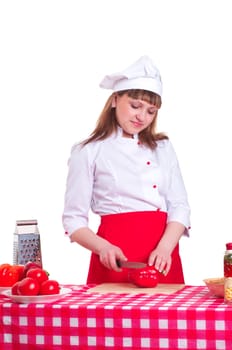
{"x": 119, "y": 175}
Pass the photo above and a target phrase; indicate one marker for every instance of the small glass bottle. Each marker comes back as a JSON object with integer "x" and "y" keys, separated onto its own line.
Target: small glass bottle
{"x": 228, "y": 274}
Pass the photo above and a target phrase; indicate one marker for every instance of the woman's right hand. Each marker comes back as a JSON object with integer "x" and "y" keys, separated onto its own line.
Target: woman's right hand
{"x": 107, "y": 252}
{"x": 109, "y": 255}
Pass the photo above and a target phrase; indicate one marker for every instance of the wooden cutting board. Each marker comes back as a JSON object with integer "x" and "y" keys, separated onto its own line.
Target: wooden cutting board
{"x": 105, "y": 288}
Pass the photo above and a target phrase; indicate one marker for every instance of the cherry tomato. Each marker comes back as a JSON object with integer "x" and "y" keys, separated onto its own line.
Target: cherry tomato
{"x": 37, "y": 273}
{"x": 145, "y": 277}
{"x": 14, "y": 289}
{"x": 49, "y": 287}
{"x": 30, "y": 265}
{"x": 28, "y": 286}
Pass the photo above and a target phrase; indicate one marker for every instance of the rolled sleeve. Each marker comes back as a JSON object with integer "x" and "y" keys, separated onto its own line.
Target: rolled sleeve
{"x": 177, "y": 201}
{"x": 78, "y": 190}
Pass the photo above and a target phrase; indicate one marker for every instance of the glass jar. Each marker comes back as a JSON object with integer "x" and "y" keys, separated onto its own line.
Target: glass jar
{"x": 228, "y": 290}
{"x": 228, "y": 274}
{"x": 228, "y": 260}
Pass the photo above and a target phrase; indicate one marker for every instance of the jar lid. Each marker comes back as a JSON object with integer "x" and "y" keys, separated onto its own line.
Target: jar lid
{"x": 229, "y": 246}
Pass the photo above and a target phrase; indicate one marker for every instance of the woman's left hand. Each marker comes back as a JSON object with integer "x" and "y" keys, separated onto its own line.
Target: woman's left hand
{"x": 161, "y": 259}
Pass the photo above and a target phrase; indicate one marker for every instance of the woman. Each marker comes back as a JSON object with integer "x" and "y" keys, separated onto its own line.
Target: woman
{"x": 128, "y": 174}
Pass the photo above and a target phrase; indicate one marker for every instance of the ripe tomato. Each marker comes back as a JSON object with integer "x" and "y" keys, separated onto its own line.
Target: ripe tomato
{"x": 37, "y": 273}
{"x": 30, "y": 265}
{"x": 20, "y": 269}
{"x": 3, "y": 267}
{"x": 14, "y": 289}
{"x": 9, "y": 274}
{"x": 3, "y": 272}
{"x": 49, "y": 287}
{"x": 145, "y": 277}
{"x": 28, "y": 286}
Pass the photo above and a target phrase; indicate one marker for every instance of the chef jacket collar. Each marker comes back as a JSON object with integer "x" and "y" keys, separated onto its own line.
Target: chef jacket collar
{"x": 119, "y": 134}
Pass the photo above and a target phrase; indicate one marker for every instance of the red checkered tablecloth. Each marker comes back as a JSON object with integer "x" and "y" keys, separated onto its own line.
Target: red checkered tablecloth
{"x": 188, "y": 319}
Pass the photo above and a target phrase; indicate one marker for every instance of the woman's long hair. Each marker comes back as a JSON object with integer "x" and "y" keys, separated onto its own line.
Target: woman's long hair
{"x": 107, "y": 122}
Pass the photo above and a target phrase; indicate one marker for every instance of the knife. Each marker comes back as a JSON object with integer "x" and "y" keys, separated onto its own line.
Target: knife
{"x": 131, "y": 264}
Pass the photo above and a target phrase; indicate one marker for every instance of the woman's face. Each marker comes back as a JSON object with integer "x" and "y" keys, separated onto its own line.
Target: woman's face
{"x": 133, "y": 115}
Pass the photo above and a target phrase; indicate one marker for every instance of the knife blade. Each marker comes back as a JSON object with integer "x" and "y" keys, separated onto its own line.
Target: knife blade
{"x": 131, "y": 264}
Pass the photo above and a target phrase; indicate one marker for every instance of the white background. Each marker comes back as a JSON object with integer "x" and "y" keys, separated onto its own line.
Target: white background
{"x": 53, "y": 55}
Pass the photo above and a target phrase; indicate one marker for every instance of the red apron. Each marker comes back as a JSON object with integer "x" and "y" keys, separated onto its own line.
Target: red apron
{"x": 137, "y": 234}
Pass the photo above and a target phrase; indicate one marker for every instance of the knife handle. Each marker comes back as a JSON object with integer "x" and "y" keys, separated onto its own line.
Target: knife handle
{"x": 118, "y": 262}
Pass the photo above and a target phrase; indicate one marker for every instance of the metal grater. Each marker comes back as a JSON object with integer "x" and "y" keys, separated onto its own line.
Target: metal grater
{"x": 26, "y": 245}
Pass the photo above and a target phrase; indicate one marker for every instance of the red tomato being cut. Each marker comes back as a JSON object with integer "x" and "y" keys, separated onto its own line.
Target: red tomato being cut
{"x": 147, "y": 277}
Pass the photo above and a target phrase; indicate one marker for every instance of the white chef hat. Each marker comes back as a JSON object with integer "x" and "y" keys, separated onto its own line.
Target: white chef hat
{"x": 142, "y": 74}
